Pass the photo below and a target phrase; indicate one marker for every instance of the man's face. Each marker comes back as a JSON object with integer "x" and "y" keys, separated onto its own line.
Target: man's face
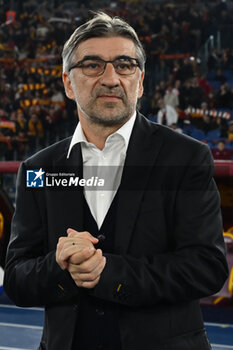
{"x": 108, "y": 99}
{"x": 221, "y": 146}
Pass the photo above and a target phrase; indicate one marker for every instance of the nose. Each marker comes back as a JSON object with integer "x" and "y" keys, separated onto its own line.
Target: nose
{"x": 109, "y": 77}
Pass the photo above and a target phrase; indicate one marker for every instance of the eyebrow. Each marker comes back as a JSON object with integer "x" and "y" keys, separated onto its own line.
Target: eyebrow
{"x": 91, "y": 57}
{"x": 96, "y": 57}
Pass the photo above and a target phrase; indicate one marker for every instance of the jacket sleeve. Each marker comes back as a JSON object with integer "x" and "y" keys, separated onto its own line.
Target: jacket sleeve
{"x": 195, "y": 267}
{"x": 32, "y": 276}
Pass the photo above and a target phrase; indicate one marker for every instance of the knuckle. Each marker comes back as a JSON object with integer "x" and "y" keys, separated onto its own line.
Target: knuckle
{"x": 72, "y": 260}
{"x": 87, "y": 234}
{"x": 79, "y": 283}
{"x": 99, "y": 253}
{"x": 104, "y": 261}
{"x": 86, "y": 253}
{"x": 82, "y": 233}
{"x": 59, "y": 246}
{"x": 72, "y": 234}
{"x": 100, "y": 259}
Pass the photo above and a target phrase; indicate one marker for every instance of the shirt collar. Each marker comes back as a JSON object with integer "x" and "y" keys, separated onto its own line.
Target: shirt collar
{"x": 124, "y": 131}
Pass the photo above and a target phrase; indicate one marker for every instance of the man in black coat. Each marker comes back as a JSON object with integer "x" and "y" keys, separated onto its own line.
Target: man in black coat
{"x": 120, "y": 266}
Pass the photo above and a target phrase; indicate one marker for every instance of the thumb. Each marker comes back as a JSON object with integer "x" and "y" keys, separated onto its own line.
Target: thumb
{"x": 84, "y": 234}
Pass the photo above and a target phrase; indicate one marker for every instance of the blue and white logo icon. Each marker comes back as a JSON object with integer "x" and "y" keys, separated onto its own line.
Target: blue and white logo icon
{"x": 35, "y": 178}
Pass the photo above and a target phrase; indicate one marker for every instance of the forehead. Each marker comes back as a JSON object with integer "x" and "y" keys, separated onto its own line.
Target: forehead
{"x": 107, "y": 48}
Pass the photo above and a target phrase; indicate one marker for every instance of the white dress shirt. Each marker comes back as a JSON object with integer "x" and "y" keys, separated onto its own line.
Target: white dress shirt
{"x": 105, "y": 164}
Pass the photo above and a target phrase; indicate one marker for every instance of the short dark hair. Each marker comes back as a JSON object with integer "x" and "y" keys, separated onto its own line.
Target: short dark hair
{"x": 101, "y": 25}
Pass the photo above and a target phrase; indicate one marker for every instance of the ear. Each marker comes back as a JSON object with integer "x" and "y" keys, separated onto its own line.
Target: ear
{"x": 68, "y": 86}
{"x": 140, "y": 90}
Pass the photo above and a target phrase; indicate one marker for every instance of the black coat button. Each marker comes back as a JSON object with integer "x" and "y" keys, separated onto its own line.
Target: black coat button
{"x": 75, "y": 307}
{"x": 100, "y": 312}
{"x": 101, "y": 237}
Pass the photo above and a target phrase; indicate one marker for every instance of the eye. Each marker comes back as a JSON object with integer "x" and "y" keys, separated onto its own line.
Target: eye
{"x": 124, "y": 66}
{"x": 92, "y": 65}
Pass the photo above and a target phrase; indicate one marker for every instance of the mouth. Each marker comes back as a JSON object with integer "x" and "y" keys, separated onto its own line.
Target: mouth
{"x": 110, "y": 97}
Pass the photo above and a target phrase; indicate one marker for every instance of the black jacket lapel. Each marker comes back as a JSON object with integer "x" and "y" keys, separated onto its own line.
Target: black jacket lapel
{"x": 72, "y": 198}
{"x": 143, "y": 149}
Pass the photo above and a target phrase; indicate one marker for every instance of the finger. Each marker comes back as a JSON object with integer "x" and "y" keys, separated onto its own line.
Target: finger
{"x": 88, "y": 285}
{"x": 68, "y": 249}
{"x": 63, "y": 264}
{"x": 90, "y": 273}
{"x": 78, "y": 242}
{"x": 90, "y": 264}
{"x": 84, "y": 234}
{"x": 69, "y": 246}
{"x": 62, "y": 238}
{"x": 94, "y": 274}
{"x": 81, "y": 256}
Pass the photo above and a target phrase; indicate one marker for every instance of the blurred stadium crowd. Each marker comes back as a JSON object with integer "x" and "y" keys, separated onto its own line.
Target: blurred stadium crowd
{"x": 189, "y": 78}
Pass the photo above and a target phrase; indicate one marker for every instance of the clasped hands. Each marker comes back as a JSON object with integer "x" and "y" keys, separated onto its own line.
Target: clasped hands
{"x": 77, "y": 254}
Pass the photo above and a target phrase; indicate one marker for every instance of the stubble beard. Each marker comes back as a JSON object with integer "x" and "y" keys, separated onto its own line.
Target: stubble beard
{"x": 103, "y": 114}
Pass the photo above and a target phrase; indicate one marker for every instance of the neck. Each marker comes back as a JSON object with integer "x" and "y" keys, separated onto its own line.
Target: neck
{"x": 96, "y": 133}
